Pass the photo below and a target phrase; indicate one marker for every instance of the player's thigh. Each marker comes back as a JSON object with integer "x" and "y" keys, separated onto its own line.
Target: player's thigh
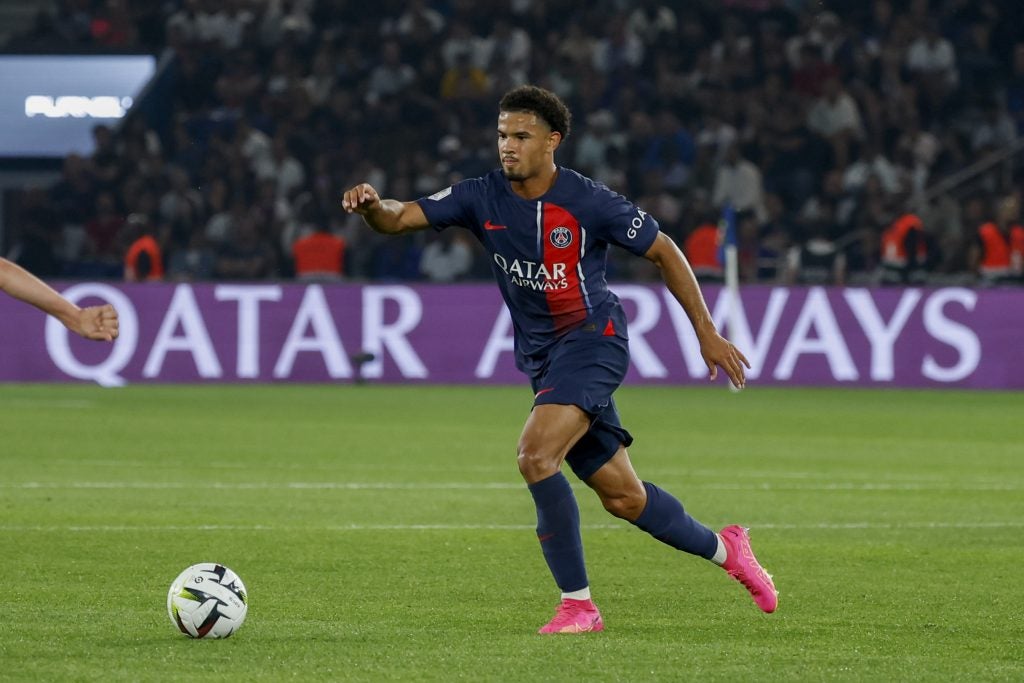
{"x": 551, "y": 430}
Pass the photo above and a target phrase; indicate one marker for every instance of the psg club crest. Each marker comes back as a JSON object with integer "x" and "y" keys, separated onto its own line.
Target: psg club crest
{"x": 561, "y": 237}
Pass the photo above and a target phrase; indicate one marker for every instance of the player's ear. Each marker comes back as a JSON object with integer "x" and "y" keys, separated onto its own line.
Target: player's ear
{"x": 554, "y": 140}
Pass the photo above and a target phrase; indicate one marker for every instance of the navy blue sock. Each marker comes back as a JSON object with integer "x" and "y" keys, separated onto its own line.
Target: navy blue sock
{"x": 558, "y": 528}
{"x": 666, "y": 520}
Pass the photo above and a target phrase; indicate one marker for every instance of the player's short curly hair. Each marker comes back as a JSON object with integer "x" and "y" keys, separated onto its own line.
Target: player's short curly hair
{"x": 541, "y": 102}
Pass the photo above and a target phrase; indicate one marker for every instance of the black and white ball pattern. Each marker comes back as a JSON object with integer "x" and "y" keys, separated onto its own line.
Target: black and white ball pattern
{"x": 207, "y": 600}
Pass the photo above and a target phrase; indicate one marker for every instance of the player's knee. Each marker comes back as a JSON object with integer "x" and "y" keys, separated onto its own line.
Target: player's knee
{"x": 535, "y": 463}
{"x": 625, "y": 505}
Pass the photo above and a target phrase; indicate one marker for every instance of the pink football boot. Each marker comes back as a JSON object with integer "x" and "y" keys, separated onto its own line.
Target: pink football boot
{"x": 575, "y": 616}
{"x": 744, "y": 567}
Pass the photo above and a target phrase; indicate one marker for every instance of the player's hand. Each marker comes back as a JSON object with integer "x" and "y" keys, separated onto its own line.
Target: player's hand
{"x": 361, "y": 199}
{"x": 95, "y": 322}
{"x": 719, "y": 352}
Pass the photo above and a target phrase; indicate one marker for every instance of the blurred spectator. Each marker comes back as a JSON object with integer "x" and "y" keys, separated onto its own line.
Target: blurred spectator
{"x": 871, "y": 163}
{"x": 994, "y": 131}
{"x": 659, "y": 201}
{"x": 245, "y": 255}
{"x": 593, "y": 146}
{"x": 281, "y": 167}
{"x": 106, "y": 167}
{"x": 835, "y": 117}
{"x": 38, "y": 242}
{"x": 904, "y": 250}
{"x": 74, "y": 194}
{"x": 811, "y": 71}
{"x": 464, "y": 81}
{"x": 196, "y": 261}
{"x": 931, "y": 57}
{"x": 460, "y": 42}
{"x": 998, "y": 254}
{"x": 507, "y": 51}
{"x": 391, "y": 76}
{"x": 446, "y": 258}
{"x": 143, "y": 261}
{"x": 619, "y": 49}
{"x": 823, "y": 123}
{"x": 738, "y": 183}
{"x": 419, "y": 18}
{"x": 818, "y": 260}
{"x": 104, "y": 229}
{"x": 670, "y": 150}
{"x": 652, "y": 21}
{"x": 774, "y": 241}
{"x": 319, "y": 255}
{"x": 702, "y": 248}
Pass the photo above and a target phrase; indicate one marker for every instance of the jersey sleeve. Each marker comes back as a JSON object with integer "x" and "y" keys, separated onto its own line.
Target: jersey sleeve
{"x": 453, "y": 205}
{"x": 622, "y": 223}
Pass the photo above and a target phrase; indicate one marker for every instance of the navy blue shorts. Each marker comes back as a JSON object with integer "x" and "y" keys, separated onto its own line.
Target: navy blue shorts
{"x": 584, "y": 370}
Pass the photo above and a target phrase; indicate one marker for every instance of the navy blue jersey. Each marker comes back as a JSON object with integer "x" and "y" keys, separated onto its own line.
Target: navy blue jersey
{"x": 549, "y": 254}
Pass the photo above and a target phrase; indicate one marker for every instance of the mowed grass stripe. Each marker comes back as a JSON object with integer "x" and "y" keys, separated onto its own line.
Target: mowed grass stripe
{"x": 497, "y": 486}
{"x": 1011, "y": 524}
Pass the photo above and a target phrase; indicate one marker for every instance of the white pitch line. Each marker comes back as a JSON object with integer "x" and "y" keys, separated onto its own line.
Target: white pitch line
{"x": 261, "y": 485}
{"x": 827, "y": 526}
{"x": 470, "y": 486}
{"x": 859, "y": 486}
{"x": 72, "y": 403}
{"x": 657, "y": 472}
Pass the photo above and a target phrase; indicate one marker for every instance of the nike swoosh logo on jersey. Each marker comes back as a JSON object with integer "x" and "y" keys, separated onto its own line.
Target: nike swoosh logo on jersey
{"x": 488, "y": 225}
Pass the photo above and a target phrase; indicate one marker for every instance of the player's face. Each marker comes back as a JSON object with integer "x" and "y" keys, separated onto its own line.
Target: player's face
{"x": 526, "y": 144}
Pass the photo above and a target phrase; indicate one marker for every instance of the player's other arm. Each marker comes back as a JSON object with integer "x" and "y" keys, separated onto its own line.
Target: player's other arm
{"x": 94, "y": 322}
{"x": 680, "y": 280}
{"x": 388, "y": 216}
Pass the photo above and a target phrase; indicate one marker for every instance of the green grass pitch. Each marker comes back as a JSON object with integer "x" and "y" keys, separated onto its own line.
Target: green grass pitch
{"x": 384, "y": 534}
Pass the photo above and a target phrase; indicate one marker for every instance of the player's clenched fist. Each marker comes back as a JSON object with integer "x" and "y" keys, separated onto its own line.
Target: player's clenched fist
{"x": 361, "y": 199}
{"x": 96, "y": 322}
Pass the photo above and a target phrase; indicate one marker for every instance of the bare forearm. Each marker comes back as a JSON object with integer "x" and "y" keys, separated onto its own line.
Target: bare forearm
{"x": 26, "y": 287}
{"x": 680, "y": 280}
{"x": 386, "y": 218}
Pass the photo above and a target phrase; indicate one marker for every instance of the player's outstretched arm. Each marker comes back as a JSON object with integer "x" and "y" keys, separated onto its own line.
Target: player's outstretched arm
{"x": 717, "y": 351}
{"x": 94, "y": 322}
{"x": 388, "y": 216}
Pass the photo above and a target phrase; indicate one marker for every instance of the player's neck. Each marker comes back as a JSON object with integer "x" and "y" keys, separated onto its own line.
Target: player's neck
{"x": 537, "y": 185}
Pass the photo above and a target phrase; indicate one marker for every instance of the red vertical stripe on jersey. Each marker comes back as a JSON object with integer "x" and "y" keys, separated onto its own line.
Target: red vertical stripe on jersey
{"x": 567, "y": 305}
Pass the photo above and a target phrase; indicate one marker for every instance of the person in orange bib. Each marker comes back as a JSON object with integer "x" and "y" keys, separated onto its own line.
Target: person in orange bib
{"x": 904, "y": 250}
{"x": 998, "y": 254}
{"x": 701, "y": 250}
{"x": 319, "y": 255}
{"x": 144, "y": 259}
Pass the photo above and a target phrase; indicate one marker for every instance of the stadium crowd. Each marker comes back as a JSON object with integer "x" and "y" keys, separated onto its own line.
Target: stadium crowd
{"x": 825, "y": 130}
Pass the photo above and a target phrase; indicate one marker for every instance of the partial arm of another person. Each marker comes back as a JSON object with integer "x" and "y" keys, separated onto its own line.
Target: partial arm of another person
{"x": 680, "y": 280}
{"x": 94, "y": 322}
{"x": 387, "y": 216}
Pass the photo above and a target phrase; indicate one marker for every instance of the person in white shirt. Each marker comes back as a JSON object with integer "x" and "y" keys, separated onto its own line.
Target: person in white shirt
{"x": 738, "y": 182}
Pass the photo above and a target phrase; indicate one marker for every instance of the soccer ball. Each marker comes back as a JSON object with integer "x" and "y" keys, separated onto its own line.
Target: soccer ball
{"x": 207, "y": 600}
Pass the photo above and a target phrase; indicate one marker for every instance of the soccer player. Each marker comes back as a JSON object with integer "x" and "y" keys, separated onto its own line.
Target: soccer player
{"x": 94, "y": 322}
{"x": 547, "y": 230}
